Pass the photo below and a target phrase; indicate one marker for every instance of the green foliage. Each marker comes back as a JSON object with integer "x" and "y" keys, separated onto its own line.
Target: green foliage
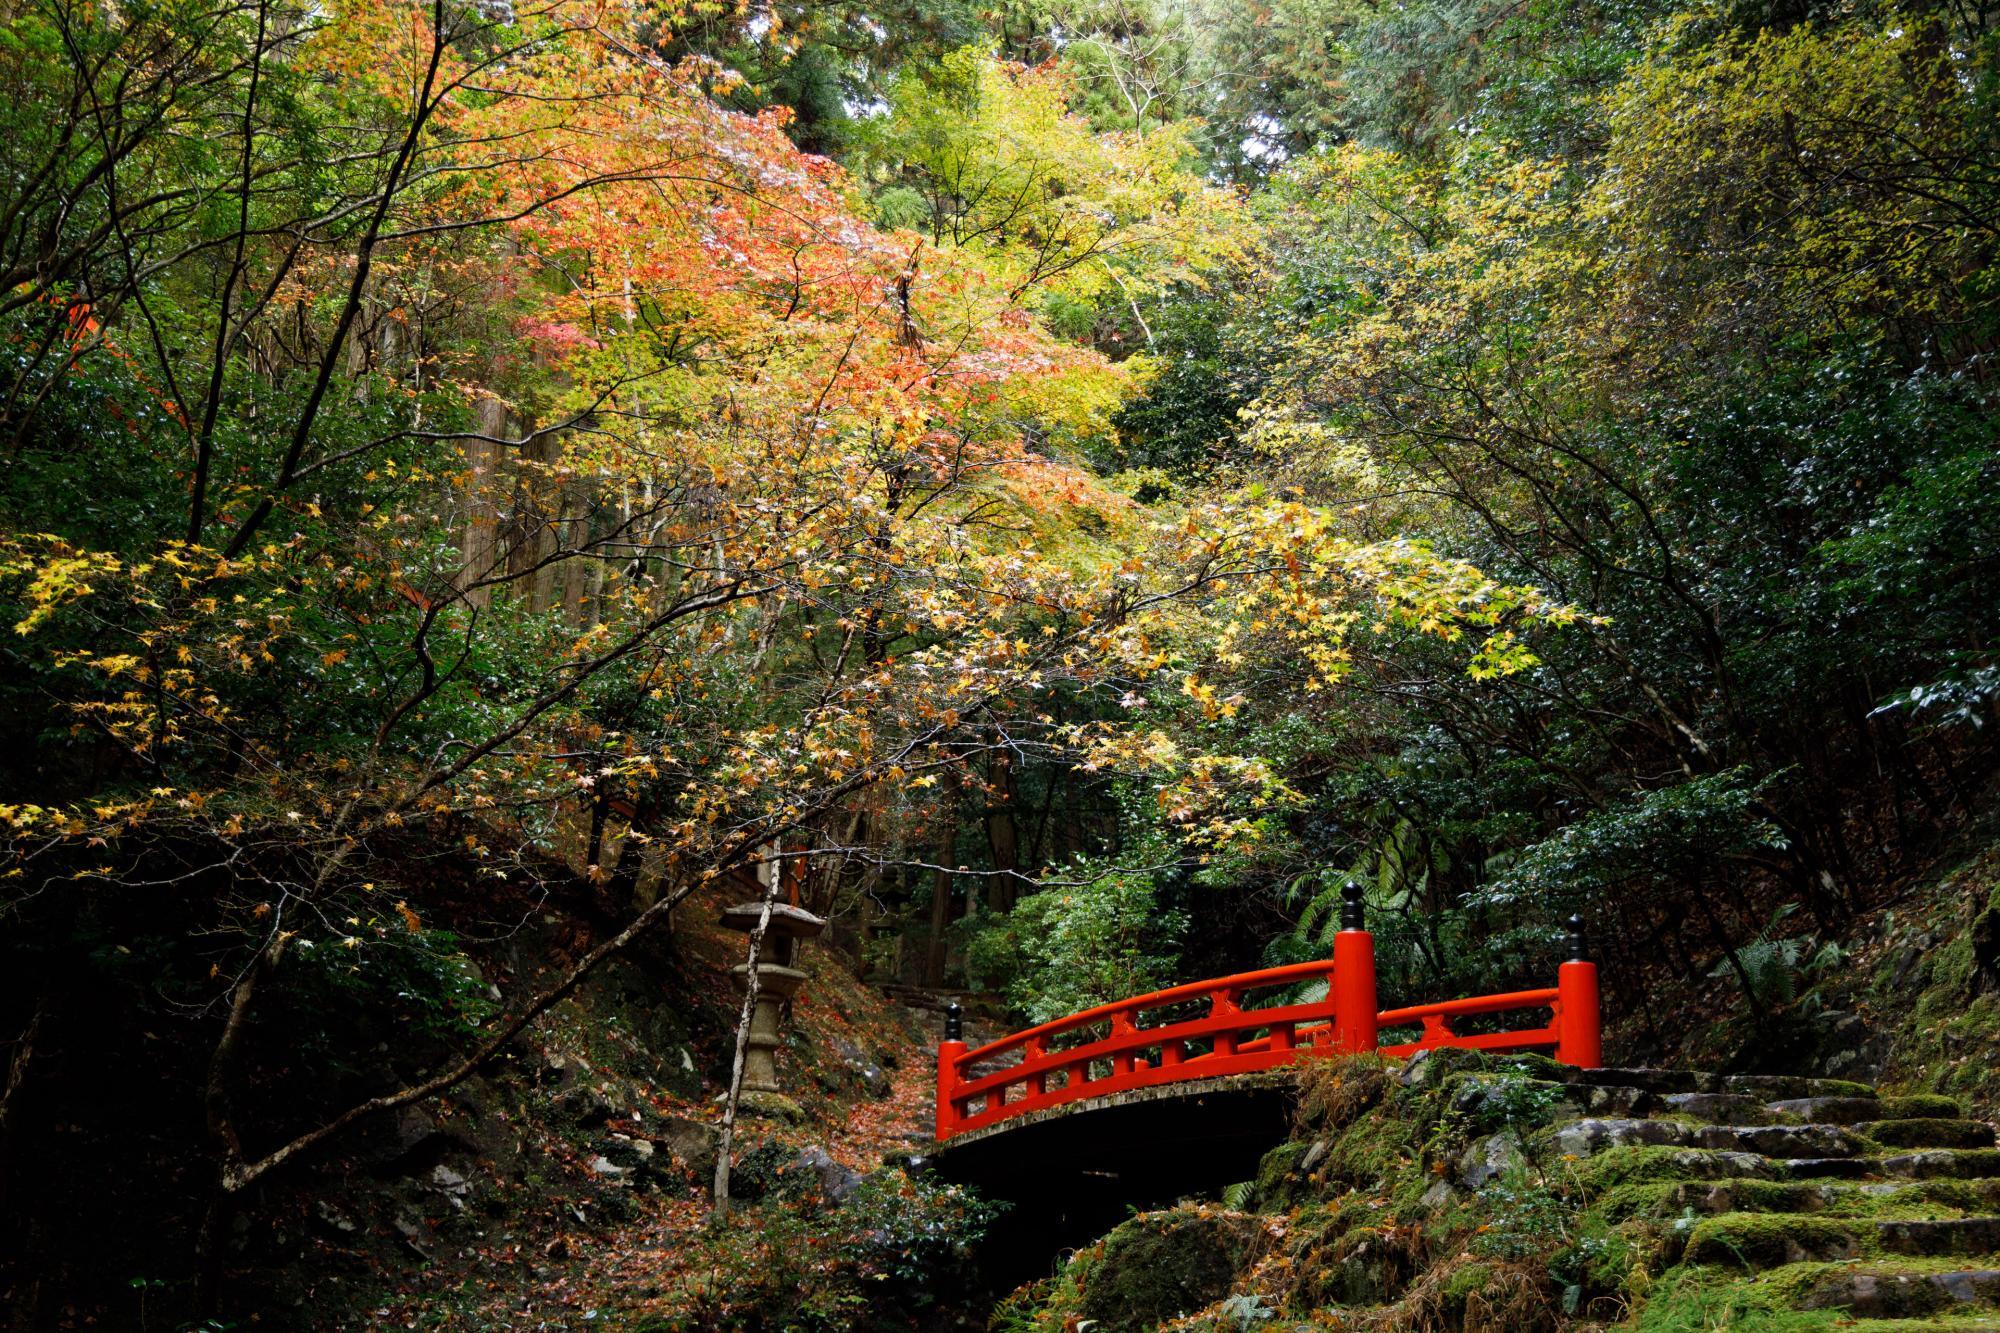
{"x": 1101, "y": 936}
{"x": 427, "y": 986}
{"x": 884, "y": 1259}
{"x": 1511, "y": 1099}
{"x": 1525, "y": 1219}
{"x": 1777, "y": 969}
{"x": 1632, "y": 307}
{"x": 820, "y": 61}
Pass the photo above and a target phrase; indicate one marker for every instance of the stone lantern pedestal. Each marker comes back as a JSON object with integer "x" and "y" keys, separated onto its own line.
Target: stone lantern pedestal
{"x": 777, "y": 982}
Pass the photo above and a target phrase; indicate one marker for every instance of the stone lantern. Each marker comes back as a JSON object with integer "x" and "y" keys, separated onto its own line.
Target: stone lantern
{"x": 777, "y": 982}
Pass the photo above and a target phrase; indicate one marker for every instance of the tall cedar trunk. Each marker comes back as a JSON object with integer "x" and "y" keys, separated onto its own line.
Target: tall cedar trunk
{"x": 943, "y": 853}
{"x": 1003, "y": 835}
{"x": 479, "y": 546}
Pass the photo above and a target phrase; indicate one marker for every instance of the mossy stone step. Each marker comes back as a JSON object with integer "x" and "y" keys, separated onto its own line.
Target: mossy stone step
{"x": 1585, "y": 1138}
{"x": 1893, "y": 1295}
{"x": 1633, "y": 1166}
{"x": 1855, "y": 1110}
{"x": 1770, "y": 1240}
{"x": 1782, "y": 1140}
{"x": 1953, "y": 1236}
{"x": 1760, "y": 1240}
{"x": 1928, "y": 1132}
{"x": 1933, "y": 1164}
{"x": 1719, "y": 1108}
{"x": 1671, "y": 1199}
{"x": 1768, "y": 1087}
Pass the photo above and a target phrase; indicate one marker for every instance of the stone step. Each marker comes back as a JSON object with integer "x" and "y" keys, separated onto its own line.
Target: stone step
{"x": 1953, "y": 1236}
{"x": 1768, "y": 1087}
{"x": 1894, "y": 1295}
{"x": 1928, "y": 1133}
{"x": 1719, "y": 1108}
{"x": 1742, "y": 1108}
{"x": 1746, "y": 1195}
{"x": 1771, "y": 1240}
{"x": 1565, "y": 1100}
{"x": 1854, "y": 1110}
{"x": 1932, "y": 1164}
{"x": 1642, "y": 1166}
{"x": 1584, "y": 1138}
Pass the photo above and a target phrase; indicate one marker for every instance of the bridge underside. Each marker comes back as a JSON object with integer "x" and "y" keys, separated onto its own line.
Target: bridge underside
{"x": 1072, "y": 1171}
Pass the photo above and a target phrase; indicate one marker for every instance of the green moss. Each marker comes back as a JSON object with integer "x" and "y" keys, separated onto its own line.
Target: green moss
{"x": 1688, "y": 1304}
{"x": 1373, "y": 1151}
{"x": 1434, "y": 1068}
{"x": 1800, "y": 1284}
{"x": 1627, "y": 1166}
{"x": 1841, "y": 1087}
{"x": 1492, "y": 1101}
{"x": 1530, "y": 1065}
{"x": 1646, "y": 1198}
{"x": 1971, "y": 1163}
{"x": 1949, "y": 970}
{"x": 1465, "y": 1282}
{"x": 1968, "y": 1323}
{"x": 1918, "y": 1106}
{"x": 1277, "y": 1174}
{"x": 1158, "y": 1266}
{"x": 1929, "y": 1133}
{"x": 1769, "y": 1240}
{"x": 1667, "y": 1199}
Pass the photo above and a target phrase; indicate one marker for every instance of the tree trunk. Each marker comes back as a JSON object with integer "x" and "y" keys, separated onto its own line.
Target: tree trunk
{"x": 944, "y": 854}
{"x": 1003, "y": 835}
{"x": 750, "y": 988}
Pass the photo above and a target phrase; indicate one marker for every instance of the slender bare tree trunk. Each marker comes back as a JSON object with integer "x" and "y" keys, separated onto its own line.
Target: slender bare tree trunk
{"x": 750, "y": 988}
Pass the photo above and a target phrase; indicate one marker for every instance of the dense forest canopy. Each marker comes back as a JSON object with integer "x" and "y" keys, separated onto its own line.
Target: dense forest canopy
{"x": 1089, "y": 477}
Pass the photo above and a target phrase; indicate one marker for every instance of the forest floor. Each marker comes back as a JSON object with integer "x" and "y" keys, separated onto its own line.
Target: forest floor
{"x": 575, "y": 1274}
{"x": 598, "y": 1213}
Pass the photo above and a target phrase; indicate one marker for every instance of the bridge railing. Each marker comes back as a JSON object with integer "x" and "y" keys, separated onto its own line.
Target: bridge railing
{"x": 1209, "y": 1029}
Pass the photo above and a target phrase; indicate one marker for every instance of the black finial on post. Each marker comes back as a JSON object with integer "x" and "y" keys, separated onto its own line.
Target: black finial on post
{"x": 1351, "y": 914}
{"x": 954, "y": 1022}
{"x": 1573, "y": 941}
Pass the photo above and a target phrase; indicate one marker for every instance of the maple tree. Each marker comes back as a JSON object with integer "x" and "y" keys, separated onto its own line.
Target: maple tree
{"x": 521, "y": 441}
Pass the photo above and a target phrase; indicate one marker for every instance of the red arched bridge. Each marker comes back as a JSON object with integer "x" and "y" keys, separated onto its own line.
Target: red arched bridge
{"x": 1208, "y": 1030}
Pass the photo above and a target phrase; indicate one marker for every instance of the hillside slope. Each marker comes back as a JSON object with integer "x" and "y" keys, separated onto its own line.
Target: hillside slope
{"x": 1850, "y": 1180}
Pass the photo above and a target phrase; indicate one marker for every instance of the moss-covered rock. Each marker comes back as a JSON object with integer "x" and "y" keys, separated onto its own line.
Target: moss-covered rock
{"x": 1282, "y": 1172}
{"x": 1929, "y": 1133}
{"x": 1158, "y": 1266}
{"x": 1922, "y": 1105}
{"x": 1628, "y": 1166}
{"x": 1770, "y": 1240}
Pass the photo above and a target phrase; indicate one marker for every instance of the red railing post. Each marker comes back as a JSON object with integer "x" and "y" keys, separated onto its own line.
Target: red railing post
{"x": 1353, "y": 980}
{"x": 1222, "y": 1004}
{"x": 949, "y": 1051}
{"x": 1579, "y": 1031}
